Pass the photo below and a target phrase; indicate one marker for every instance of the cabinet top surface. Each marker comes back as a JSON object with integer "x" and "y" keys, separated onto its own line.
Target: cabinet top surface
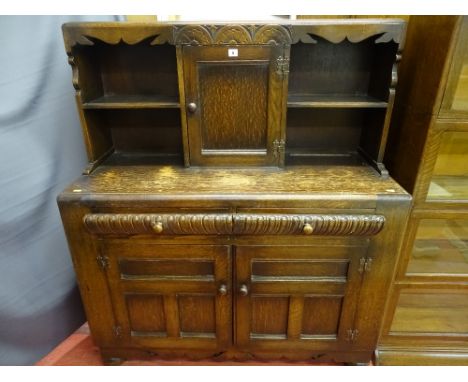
{"x": 235, "y": 183}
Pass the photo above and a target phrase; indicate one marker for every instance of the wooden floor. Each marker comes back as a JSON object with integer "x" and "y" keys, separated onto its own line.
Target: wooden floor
{"x": 79, "y": 350}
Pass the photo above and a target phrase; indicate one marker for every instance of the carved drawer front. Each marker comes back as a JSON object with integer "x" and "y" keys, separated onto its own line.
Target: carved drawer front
{"x": 161, "y": 224}
{"x": 297, "y": 297}
{"x": 238, "y": 224}
{"x": 170, "y": 296}
{"x": 287, "y": 224}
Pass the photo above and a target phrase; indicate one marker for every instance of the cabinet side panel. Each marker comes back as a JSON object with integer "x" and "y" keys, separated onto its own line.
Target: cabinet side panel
{"x": 384, "y": 251}
{"x": 420, "y": 84}
{"x": 90, "y": 277}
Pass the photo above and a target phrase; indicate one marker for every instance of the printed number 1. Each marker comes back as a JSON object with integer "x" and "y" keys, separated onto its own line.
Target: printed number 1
{"x": 233, "y": 52}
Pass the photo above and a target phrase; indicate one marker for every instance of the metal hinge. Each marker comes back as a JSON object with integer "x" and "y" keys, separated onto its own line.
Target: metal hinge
{"x": 103, "y": 262}
{"x": 365, "y": 264}
{"x": 282, "y": 65}
{"x": 117, "y": 330}
{"x": 351, "y": 335}
{"x": 278, "y": 148}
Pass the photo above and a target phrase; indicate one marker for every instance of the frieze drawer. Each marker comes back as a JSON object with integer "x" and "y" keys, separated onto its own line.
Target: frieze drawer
{"x": 237, "y": 224}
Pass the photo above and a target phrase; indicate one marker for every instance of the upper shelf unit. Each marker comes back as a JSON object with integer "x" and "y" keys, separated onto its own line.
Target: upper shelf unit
{"x": 303, "y": 92}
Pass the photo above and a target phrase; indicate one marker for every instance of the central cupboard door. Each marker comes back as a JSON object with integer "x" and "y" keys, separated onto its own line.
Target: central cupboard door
{"x": 234, "y": 101}
{"x": 297, "y": 297}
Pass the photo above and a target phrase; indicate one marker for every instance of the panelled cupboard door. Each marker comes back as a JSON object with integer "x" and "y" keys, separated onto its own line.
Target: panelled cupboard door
{"x": 234, "y": 102}
{"x": 170, "y": 296}
{"x": 297, "y": 297}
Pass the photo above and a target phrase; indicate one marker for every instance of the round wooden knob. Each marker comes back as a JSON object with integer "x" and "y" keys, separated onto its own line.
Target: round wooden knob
{"x": 158, "y": 227}
{"x": 308, "y": 229}
{"x": 192, "y": 107}
{"x": 222, "y": 290}
{"x": 244, "y": 290}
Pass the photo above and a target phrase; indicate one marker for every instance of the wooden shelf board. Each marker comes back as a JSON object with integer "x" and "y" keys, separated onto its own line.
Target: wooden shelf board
{"x": 311, "y": 158}
{"x": 133, "y": 102}
{"x": 334, "y": 101}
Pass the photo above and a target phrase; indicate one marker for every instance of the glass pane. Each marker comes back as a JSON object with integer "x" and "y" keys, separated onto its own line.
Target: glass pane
{"x": 460, "y": 98}
{"x": 443, "y": 312}
{"x": 450, "y": 176}
{"x": 459, "y": 73}
{"x": 441, "y": 246}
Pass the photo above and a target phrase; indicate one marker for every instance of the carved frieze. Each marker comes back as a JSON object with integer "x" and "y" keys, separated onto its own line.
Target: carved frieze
{"x": 352, "y": 31}
{"x": 231, "y": 34}
{"x": 115, "y": 33}
{"x": 238, "y": 224}
{"x": 214, "y": 34}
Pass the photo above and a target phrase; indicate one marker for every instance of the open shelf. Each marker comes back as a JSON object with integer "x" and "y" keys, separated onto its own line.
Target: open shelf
{"x": 140, "y": 132}
{"x": 331, "y": 136}
{"x": 341, "y": 75}
{"x": 303, "y": 157}
{"x": 334, "y": 101}
{"x": 122, "y": 76}
{"x": 133, "y": 102}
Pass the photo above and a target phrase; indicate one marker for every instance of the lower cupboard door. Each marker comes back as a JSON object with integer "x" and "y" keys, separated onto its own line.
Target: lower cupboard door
{"x": 170, "y": 296}
{"x": 297, "y": 297}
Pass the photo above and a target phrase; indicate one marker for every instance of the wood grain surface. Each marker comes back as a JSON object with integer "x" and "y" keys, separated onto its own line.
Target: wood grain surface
{"x": 170, "y": 180}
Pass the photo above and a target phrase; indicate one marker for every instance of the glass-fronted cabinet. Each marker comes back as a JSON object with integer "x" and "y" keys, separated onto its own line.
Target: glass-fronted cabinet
{"x": 427, "y": 313}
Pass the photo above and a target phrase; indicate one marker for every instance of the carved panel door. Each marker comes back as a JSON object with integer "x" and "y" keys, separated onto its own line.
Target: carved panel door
{"x": 170, "y": 296}
{"x": 234, "y": 101}
{"x": 297, "y": 297}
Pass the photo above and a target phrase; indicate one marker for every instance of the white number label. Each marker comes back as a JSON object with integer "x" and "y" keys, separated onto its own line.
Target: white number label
{"x": 233, "y": 52}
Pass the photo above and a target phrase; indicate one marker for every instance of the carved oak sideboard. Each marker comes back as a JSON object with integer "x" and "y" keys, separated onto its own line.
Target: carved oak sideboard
{"x": 235, "y": 204}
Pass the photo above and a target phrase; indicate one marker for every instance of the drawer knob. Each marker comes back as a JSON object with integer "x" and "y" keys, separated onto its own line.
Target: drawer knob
{"x": 222, "y": 290}
{"x": 158, "y": 227}
{"x": 308, "y": 229}
{"x": 192, "y": 107}
{"x": 244, "y": 290}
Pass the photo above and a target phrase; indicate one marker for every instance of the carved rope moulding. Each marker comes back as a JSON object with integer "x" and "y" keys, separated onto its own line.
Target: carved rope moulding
{"x": 132, "y": 224}
{"x": 239, "y": 224}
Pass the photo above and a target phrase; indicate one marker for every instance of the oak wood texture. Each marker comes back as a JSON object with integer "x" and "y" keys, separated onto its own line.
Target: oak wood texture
{"x": 426, "y": 313}
{"x": 236, "y": 205}
{"x": 119, "y": 174}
